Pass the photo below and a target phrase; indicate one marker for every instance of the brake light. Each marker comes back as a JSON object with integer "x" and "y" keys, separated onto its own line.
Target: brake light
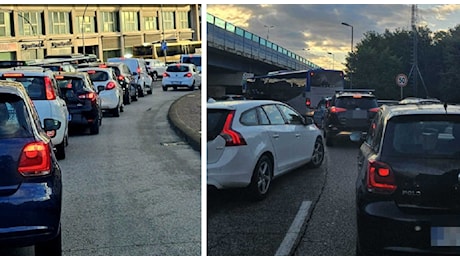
{"x": 121, "y": 77}
{"x": 308, "y": 102}
{"x": 50, "y": 93}
{"x": 13, "y": 75}
{"x": 102, "y": 65}
{"x": 59, "y": 77}
{"x": 35, "y": 159}
{"x": 188, "y": 75}
{"x": 337, "y": 109}
{"x": 375, "y": 109}
{"x": 165, "y": 75}
{"x": 380, "y": 177}
{"x": 232, "y": 137}
{"x": 110, "y": 85}
{"x": 91, "y": 96}
{"x": 138, "y": 70}
{"x": 90, "y": 71}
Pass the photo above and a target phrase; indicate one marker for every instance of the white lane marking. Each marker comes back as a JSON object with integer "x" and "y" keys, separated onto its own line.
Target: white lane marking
{"x": 294, "y": 231}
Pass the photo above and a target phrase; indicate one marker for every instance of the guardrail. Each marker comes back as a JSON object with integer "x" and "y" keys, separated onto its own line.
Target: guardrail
{"x": 224, "y": 35}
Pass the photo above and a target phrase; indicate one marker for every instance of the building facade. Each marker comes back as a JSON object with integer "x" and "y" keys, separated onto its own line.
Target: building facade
{"x": 34, "y": 31}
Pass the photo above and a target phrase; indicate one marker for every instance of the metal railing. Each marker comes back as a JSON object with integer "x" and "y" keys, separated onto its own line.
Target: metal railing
{"x": 225, "y": 36}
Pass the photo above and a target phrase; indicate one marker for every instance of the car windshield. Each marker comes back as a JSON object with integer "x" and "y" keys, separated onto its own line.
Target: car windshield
{"x": 423, "y": 136}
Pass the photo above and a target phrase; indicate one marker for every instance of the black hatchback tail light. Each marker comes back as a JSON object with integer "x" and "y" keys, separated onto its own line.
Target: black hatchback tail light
{"x": 380, "y": 177}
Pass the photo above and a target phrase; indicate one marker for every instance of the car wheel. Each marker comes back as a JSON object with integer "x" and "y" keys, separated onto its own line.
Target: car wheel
{"x": 141, "y": 92}
{"x": 51, "y": 247}
{"x": 192, "y": 88}
{"x": 94, "y": 128}
{"x": 127, "y": 99}
{"x": 318, "y": 154}
{"x": 60, "y": 151}
{"x": 135, "y": 97}
{"x": 150, "y": 91}
{"x": 165, "y": 88}
{"x": 116, "y": 111}
{"x": 329, "y": 141}
{"x": 261, "y": 178}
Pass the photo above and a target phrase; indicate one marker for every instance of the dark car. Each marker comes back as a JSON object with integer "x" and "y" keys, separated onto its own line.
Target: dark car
{"x": 408, "y": 185}
{"x": 82, "y": 100}
{"x": 30, "y": 183}
{"x": 350, "y": 111}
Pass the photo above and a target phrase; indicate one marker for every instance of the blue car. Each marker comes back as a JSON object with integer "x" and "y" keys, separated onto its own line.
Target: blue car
{"x": 30, "y": 182}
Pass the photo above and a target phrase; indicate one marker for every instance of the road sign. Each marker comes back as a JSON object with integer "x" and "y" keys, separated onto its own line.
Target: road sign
{"x": 401, "y": 80}
{"x": 164, "y": 46}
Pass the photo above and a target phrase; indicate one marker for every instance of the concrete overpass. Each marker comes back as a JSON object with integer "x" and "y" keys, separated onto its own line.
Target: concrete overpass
{"x": 233, "y": 51}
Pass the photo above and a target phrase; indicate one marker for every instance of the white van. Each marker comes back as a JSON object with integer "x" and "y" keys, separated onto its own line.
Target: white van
{"x": 193, "y": 59}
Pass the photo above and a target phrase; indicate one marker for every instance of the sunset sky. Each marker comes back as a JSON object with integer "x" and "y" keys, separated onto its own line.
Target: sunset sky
{"x": 318, "y": 27}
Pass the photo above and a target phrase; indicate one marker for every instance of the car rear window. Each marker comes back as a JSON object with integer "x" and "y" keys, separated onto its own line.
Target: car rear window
{"x": 74, "y": 83}
{"x": 98, "y": 75}
{"x": 361, "y": 102}
{"x": 35, "y": 86}
{"x": 14, "y": 120}
{"x": 423, "y": 136}
{"x": 215, "y": 120}
{"x": 178, "y": 68}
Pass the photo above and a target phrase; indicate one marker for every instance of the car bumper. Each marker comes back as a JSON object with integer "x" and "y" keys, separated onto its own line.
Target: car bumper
{"x": 177, "y": 83}
{"x": 109, "y": 100}
{"x": 233, "y": 170}
{"x": 32, "y": 214}
{"x": 383, "y": 228}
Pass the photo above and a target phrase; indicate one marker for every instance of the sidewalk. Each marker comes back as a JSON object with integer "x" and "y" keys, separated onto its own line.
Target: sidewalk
{"x": 185, "y": 117}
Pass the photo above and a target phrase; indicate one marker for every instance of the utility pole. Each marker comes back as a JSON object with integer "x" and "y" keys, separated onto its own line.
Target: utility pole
{"x": 415, "y": 68}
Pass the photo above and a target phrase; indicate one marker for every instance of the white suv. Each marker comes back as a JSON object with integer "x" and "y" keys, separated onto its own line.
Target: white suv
{"x": 42, "y": 88}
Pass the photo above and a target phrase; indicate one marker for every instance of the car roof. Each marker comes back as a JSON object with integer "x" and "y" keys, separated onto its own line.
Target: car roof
{"x": 240, "y": 104}
{"x": 13, "y": 87}
{"x": 28, "y": 70}
{"x": 79, "y": 74}
{"x": 393, "y": 110}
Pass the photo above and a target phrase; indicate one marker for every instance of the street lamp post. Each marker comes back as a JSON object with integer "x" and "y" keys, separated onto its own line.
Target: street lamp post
{"x": 268, "y": 29}
{"x": 351, "y": 73}
{"x": 332, "y": 55}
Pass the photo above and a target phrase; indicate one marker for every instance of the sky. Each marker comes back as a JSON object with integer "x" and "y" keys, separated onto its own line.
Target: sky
{"x": 315, "y": 31}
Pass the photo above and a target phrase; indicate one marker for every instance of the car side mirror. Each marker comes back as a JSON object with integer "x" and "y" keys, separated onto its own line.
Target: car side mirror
{"x": 309, "y": 120}
{"x": 51, "y": 126}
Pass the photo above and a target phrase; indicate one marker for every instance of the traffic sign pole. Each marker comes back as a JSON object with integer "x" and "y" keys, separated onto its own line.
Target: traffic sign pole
{"x": 401, "y": 81}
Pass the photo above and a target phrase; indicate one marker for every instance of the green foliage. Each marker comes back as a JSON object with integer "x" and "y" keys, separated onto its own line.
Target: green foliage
{"x": 379, "y": 58}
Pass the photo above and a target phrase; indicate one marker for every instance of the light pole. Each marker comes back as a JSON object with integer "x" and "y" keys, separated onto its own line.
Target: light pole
{"x": 332, "y": 54}
{"x": 268, "y": 29}
{"x": 351, "y": 73}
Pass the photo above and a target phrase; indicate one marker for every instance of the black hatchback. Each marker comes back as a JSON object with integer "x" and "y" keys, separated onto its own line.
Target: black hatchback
{"x": 82, "y": 100}
{"x": 408, "y": 185}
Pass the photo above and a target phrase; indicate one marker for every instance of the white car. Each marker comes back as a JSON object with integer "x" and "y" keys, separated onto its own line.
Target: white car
{"x": 251, "y": 142}
{"x": 181, "y": 75}
{"x": 110, "y": 91}
{"x": 42, "y": 88}
{"x": 142, "y": 80}
{"x": 156, "y": 68}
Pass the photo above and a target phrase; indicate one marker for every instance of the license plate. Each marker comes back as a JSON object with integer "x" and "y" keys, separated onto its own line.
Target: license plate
{"x": 359, "y": 114}
{"x": 176, "y": 82}
{"x": 445, "y": 236}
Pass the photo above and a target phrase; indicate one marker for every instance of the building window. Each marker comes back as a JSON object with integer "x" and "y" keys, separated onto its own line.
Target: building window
{"x": 168, "y": 21}
{"x": 150, "y": 23}
{"x": 183, "y": 20}
{"x": 130, "y": 22}
{"x": 30, "y": 23}
{"x": 5, "y": 24}
{"x": 110, "y": 22}
{"x": 59, "y": 22}
{"x": 87, "y": 23}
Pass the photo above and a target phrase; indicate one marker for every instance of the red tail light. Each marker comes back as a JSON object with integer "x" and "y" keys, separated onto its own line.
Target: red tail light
{"x": 232, "y": 137}
{"x": 337, "y": 110}
{"x": 380, "y": 177}
{"x": 50, "y": 93}
{"x": 308, "y": 102}
{"x": 138, "y": 70}
{"x": 91, "y": 96}
{"x": 121, "y": 77}
{"x": 35, "y": 159}
{"x": 188, "y": 75}
{"x": 375, "y": 109}
{"x": 165, "y": 75}
{"x": 110, "y": 85}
